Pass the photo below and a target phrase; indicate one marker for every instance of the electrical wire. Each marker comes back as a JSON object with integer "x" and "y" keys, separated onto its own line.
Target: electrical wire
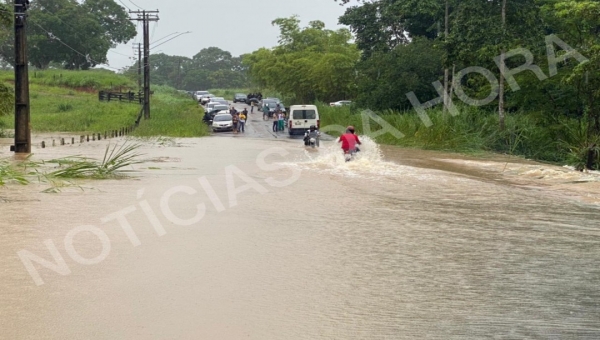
{"x": 52, "y": 36}
{"x": 154, "y": 42}
{"x": 135, "y": 4}
{"x": 115, "y": 52}
{"x": 122, "y": 3}
{"x": 170, "y": 39}
{"x": 86, "y": 56}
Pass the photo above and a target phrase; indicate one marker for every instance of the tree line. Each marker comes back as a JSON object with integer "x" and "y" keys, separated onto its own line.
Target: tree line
{"x": 211, "y": 67}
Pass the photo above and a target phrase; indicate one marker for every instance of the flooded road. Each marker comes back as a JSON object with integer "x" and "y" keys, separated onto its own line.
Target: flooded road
{"x": 254, "y": 237}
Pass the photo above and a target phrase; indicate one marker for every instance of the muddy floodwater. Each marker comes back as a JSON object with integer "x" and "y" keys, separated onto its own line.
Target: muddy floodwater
{"x": 255, "y": 237}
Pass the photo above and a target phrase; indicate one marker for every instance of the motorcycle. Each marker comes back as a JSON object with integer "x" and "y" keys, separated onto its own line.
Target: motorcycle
{"x": 311, "y": 140}
{"x": 350, "y": 154}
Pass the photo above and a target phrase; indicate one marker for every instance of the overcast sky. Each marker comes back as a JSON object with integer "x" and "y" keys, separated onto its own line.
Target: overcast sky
{"x": 237, "y": 26}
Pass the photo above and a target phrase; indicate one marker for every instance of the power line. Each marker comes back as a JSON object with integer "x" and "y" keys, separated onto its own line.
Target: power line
{"x": 115, "y": 52}
{"x": 135, "y": 4}
{"x": 122, "y": 3}
{"x": 171, "y": 39}
{"x": 166, "y": 36}
{"x": 86, "y": 56}
{"x": 53, "y": 37}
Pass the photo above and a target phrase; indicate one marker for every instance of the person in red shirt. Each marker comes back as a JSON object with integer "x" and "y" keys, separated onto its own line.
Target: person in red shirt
{"x": 349, "y": 140}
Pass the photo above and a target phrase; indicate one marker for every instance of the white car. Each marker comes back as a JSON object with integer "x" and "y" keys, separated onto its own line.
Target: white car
{"x": 198, "y": 94}
{"x": 340, "y": 103}
{"x": 216, "y": 100}
{"x": 210, "y": 106}
{"x": 222, "y": 122}
{"x": 205, "y": 98}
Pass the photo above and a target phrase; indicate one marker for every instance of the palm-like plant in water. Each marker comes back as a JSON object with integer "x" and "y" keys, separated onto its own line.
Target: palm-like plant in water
{"x": 112, "y": 165}
{"x": 583, "y": 146}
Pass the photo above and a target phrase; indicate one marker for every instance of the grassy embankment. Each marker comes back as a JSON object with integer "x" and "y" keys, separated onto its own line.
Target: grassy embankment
{"x": 67, "y": 101}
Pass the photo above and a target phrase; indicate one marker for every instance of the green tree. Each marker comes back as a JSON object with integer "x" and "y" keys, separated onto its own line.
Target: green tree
{"x": 310, "y": 63}
{"x": 76, "y": 35}
{"x": 6, "y": 92}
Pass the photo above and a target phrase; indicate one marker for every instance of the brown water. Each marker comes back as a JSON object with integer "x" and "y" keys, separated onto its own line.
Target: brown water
{"x": 414, "y": 245}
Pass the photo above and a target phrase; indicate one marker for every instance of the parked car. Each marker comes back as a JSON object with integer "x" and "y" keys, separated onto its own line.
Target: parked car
{"x": 222, "y": 122}
{"x": 240, "y": 97}
{"x": 302, "y": 117}
{"x": 210, "y": 106}
{"x": 198, "y": 94}
{"x": 340, "y": 103}
{"x": 217, "y": 100}
{"x": 217, "y": 109}
{"x": 206, "y": 98}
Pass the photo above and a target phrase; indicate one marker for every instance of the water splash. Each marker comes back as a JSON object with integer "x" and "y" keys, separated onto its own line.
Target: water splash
{"x": 369, "y": 163}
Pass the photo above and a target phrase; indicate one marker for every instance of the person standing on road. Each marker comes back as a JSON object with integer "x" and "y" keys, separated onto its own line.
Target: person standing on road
{"x": 242, "y": 122}
{"x": 252, "y": 107}
{"x": 235, "y": 119}
{"x": 275, "y": 123}
{"x": 265, "y": 112}
{"x": 280, "y": 121}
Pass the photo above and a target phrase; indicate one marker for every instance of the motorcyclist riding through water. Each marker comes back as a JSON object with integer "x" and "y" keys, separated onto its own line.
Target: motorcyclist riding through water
{"x": 349, "y": 142}
{"x": 312, "y": 136}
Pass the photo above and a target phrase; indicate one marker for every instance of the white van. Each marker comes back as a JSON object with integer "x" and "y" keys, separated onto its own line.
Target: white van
{"x": 301, "y": 118}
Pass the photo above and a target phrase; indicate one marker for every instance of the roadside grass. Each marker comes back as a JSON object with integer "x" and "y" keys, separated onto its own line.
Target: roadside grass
{"x": 3, "y": 132}
{"x": 89, "y": 79}
{"x": 56, "y": 108}
{"x": 172, "y": 114}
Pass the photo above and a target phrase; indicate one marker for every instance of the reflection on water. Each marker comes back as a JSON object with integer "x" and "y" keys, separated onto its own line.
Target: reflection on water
{"x": 368, "y": 249}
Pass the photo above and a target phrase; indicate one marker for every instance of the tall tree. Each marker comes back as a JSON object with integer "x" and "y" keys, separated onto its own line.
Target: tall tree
{"x": 309, "y": 63}
{"x": 76, "y": 35}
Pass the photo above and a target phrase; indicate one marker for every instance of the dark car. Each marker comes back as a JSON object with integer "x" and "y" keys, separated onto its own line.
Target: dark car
{"x": 217, "y": 108}
{"x": 240, "y": 98}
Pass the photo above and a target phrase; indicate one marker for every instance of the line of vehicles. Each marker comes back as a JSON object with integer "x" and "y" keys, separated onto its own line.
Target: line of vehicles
{"x": 302, "y": 119}
{"x": 298, "y": 121}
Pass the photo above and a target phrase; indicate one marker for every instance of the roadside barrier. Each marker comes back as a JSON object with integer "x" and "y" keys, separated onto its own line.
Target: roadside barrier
{"x": 122, "y": 132}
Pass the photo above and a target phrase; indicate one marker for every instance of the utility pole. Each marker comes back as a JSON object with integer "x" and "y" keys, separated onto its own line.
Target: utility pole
{"x": 145, "y": 17}
{"x": 22, "y": 122}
